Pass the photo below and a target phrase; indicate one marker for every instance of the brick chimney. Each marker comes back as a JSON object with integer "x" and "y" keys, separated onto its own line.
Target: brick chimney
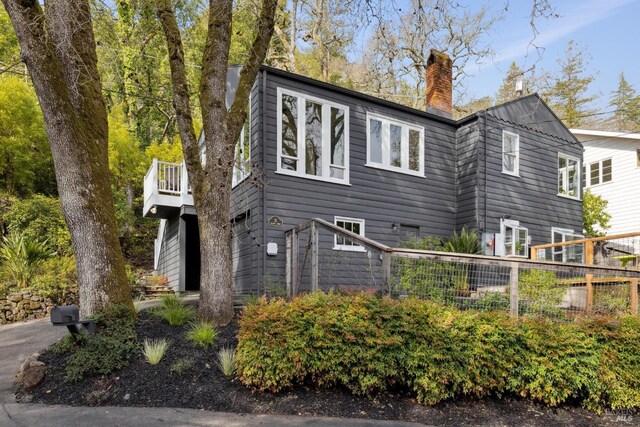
{"x": 439, "y": 83}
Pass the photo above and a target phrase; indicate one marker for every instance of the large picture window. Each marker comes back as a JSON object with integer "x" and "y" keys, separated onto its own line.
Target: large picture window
{"x": 568, "y": 176}
{"x": 395, "y": 145}
{"x": 510, "y": 153}
{"x": 313, "y": 137}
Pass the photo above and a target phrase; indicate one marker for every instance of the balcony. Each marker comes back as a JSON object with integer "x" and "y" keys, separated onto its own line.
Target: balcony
{"x": 166, "y": 189}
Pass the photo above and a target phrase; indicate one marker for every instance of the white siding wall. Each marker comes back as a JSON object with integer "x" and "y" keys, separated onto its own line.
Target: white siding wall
{"x": 623, "y": 191}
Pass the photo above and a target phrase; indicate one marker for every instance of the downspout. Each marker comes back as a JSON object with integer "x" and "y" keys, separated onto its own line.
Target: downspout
{"x": 264, "y": 174}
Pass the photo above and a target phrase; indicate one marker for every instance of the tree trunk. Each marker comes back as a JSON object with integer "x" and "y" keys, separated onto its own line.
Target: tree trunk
{"x": 59, "y": 52}
{"x": 211, "y": 183}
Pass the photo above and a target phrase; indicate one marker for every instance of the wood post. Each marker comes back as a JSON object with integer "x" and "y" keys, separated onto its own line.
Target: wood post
{"x": 634, "y": 295}
{"x": 513, "y": 289}
{"x": 386, "y": 267}
{"x": 314, "y": 256}
{"x": 534, "y": 253}
{"x": 288, "y": 239}
{"x": 588, "y": 259}
{"x": 294, "y": 263}
{"x": 589, "y": 297}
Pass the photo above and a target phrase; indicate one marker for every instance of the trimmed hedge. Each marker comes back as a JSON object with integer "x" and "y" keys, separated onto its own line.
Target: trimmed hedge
{"x": 371, "y": 345}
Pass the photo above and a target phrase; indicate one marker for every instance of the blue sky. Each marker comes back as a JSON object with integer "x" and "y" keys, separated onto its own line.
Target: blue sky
{"x": 608, "y": 30}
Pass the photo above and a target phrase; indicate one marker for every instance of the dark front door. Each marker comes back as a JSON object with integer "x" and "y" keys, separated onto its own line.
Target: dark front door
{"x": 409, "y": 233}
{"x": 192, "y": 255}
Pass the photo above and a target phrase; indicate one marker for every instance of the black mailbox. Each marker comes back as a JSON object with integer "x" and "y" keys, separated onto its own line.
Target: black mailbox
{"x": 69, "y": 316}
{"x": 64, "y": 315}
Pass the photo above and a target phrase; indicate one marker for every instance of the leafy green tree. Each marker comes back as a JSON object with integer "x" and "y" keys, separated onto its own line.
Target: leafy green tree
{"x": 626, "y": 103}
{"x": 595, "y": 218}
{"x": 9, "y": 50}
{"x": 568, "y": 94}
{"x": 25, "y": 158}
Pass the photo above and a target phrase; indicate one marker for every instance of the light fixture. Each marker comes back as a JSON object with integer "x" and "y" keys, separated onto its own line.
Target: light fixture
{"x": 394, "y": 226}
{"x": 153, "y": 210}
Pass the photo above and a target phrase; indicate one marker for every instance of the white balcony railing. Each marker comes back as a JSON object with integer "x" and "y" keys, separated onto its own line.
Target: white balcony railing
{"x": 166, "y": 185}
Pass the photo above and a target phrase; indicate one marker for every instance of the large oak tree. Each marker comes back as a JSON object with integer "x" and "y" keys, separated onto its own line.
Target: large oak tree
{"x": 211, "y": 181}
{"x": 58, "y": 47}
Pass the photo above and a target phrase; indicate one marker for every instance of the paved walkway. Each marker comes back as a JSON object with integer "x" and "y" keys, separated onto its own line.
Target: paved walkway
{"x": 19, "y": 340}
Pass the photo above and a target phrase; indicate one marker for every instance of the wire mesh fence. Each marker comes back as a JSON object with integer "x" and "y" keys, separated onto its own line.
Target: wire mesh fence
{"x": 341, "y": 260}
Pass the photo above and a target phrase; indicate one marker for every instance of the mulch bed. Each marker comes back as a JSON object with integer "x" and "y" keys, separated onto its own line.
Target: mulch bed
{"x": 203, "y": 386}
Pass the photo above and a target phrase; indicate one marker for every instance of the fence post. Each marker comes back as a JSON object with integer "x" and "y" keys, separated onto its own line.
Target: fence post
{"x": 534, "y": 253}
{"x": 513, "y": 291}
{"x": 314, "y": 256}
{"x": 634, "y": 296}
{"x": 288, "y": 239}
{"x": 588, "y": 281}
{"x": 294, "y": 250}
{"x": 588, "y": 253}
{"x": 386, "y": 267}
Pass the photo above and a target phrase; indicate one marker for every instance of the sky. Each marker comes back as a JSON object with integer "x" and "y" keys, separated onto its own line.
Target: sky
{"x": 607, "y": 29}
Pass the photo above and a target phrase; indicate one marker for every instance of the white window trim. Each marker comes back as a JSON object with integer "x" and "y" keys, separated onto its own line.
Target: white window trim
{"x": 326, "y": 143}
{"x": 516, "y": 171}
{"x": 579, "y": 178}
{"x": 562, "y": 231}
{"x": 349, "y": 248}
{"x": 515, "y": 225}
{"x": 240, "y": 142}
{"x": 600, "y": 169}
{"x": 386, "y": 149}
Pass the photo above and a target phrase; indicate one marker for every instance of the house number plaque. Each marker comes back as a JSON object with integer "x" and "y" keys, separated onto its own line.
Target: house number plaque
{"x": 275, "y": 221}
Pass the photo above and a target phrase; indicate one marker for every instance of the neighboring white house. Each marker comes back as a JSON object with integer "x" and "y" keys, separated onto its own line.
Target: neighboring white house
{"x": 611, "y": 169}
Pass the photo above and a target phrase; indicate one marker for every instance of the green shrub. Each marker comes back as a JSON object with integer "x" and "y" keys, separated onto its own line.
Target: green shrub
{"x": 154, "y": 350}
{"x": 21, "y": 256}
{"x": 226, "y": 360}
{"x": 371, "y": 344}
{"x": 202, "y": 333}
{"x": 56, "y": 278}
{"x": 107, "y": 351}
{"x": 540, "y": 290}
{"x": 40, "y": 218}
{"x": 467, "y": 242}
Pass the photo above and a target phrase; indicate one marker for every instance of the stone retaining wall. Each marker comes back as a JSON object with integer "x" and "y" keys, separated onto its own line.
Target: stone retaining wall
{"x": 18, "y": 306}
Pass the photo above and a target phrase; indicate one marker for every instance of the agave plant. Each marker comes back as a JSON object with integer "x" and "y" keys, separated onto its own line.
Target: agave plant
{"x": 21, "y": 256}
{"x": 466, "y": 242}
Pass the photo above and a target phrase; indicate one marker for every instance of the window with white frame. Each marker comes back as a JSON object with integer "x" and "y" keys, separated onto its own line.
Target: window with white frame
{"x": 242, "y": 155}
{"x": 568, "y": 176}
{"x": 313, "y": 137}
{"x": 515, "y": 239}
{"x": 355, "y": 225}
{"x": 395, "y": 145}
{"x": 510, "y": 153}
{"x": 600, "y": 172}
{"x": 569, "y": 253}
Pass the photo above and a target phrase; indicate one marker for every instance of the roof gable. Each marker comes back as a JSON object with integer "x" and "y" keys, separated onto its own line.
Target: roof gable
{"x": 533, "y": 113}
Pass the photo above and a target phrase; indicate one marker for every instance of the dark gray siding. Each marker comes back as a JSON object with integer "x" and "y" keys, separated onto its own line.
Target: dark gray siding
{"x": 380, "y": 197}
{"x": 246, "y": 207}
{"x": 169, "y": 259}
{"x": 467, "y": 176}
{"x": 532, "y": 198}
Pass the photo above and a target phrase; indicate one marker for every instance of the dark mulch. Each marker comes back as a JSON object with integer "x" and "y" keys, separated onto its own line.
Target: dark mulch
{"x": 203, "y": 386}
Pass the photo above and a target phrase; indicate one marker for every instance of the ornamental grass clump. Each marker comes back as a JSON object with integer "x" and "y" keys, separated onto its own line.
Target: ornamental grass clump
{"x": 174, "y": 311}
{"x": 203, "y": 333}
{"x": 226, "y": 360}
{"x": 154, "y": 350}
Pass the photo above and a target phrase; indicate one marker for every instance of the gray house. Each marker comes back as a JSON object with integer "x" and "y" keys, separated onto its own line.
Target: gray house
{"x": 379, "y": 169}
